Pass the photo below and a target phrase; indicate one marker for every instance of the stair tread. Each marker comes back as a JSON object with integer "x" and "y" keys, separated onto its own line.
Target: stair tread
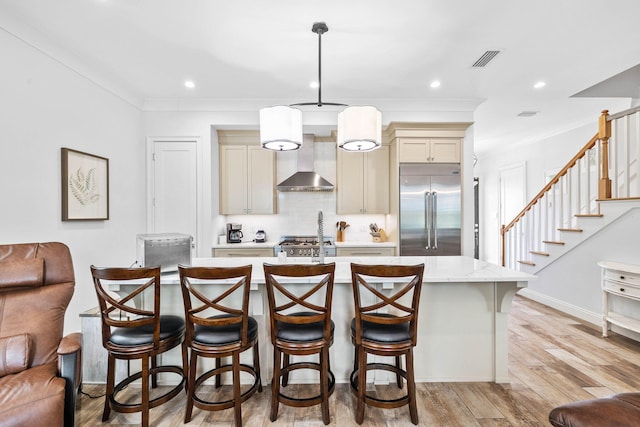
{"x": 573, "y": 230}
{"x": 616, "y": 199}
{"x": 525, "y": 262}
{"x": 552, "y": 242}
{"x": 539, "y": 253}
{"x": 588, "y": 215}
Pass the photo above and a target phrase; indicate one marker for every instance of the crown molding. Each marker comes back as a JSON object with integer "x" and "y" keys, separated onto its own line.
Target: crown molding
{"x": 399, "y": 105}
{"x": 42, "y": 44}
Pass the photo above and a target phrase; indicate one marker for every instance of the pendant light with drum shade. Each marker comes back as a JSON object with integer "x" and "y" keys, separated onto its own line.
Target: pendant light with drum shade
{"x": 359, "y": 127}
{"x": 280, "y": 128}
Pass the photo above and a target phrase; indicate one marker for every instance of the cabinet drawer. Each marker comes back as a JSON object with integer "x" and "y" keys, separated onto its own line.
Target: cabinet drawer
{"x": 620, "y": 288}
{"x": 364, "y": 251}
{"x": 243, "y": 253}
{"x": 622, "y": 276}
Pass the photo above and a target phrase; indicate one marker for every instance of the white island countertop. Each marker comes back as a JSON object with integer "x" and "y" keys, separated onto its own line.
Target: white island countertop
{"x": 436, "y": 269}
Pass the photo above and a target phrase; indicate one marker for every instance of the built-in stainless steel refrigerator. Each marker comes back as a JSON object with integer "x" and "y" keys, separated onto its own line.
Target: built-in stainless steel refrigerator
{"x": 430, "y": 209}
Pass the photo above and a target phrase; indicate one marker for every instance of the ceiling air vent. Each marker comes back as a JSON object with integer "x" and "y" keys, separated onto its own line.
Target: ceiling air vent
{"x": 485, "y": 58}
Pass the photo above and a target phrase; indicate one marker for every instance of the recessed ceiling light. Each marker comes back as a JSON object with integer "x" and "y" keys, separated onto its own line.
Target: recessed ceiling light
{"x": 190, "y": 84}
{"x": 539, "y": 85}
{"x": 434, "y": 84}
{"x": 314, "y": 85}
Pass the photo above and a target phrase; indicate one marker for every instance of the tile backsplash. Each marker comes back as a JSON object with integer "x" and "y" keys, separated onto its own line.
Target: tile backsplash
{"x": 298, "y": 211}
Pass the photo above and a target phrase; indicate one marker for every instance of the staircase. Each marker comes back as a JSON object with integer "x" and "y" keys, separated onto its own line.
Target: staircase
{"x": 597, "y": 187}
{"x": 586, "y": 227}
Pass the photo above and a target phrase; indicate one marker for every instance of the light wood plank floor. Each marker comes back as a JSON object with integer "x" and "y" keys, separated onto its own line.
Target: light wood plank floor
{"x": 553, "y": 359}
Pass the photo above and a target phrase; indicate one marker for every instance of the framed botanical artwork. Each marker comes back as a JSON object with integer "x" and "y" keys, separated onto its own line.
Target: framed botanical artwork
{"x": 85, "y": 186}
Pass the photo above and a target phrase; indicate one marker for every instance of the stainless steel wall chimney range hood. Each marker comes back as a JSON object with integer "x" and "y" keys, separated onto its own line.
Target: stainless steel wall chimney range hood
{"x": 305, "y": 179}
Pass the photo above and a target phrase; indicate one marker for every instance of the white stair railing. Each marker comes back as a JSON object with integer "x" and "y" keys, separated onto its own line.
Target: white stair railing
{"x": 608, "y": 166}
{"x": 625, "y": 165}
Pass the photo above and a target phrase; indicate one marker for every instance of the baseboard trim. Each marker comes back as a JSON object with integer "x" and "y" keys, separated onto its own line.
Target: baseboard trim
{"x": 570, "y": 309}
{"x": 575, "y": 311}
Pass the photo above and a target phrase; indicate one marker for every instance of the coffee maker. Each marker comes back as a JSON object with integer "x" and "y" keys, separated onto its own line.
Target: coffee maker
{"x": 234, "y": 233}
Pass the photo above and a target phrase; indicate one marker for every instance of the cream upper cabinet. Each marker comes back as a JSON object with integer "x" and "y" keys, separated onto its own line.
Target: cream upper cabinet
{"x": 247, "y": 180}
{"x": 363, "y": 182}
{"x": 429, "y": 150}
{"x": 262, "y": 181}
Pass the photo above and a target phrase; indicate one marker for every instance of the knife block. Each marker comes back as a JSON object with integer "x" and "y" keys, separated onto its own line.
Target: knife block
{"x": 381, "y": 237}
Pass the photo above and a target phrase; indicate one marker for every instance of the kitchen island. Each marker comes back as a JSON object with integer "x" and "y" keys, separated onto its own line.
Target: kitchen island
{"x": 463, "y": 315}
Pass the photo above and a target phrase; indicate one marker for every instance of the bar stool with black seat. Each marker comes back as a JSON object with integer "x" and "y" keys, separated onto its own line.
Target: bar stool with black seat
{"x": 300, "y": 317}
{"x": 216, "y": 306}
{"x": 387, "y": 326}
{"x": 132, "y": 332}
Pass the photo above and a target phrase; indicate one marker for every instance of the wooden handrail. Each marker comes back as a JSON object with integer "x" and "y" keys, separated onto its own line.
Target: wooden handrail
{"x": 563, "y": 171}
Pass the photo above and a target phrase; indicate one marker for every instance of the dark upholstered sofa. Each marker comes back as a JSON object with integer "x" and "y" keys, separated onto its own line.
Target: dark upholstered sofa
{"x": 618, "y": 410}
{"x": 40, "y": 371}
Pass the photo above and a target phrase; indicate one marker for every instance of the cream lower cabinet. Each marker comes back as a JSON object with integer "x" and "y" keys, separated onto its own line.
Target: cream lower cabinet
{"x": 429, "y": 150}
{"x": 247, "y": 180}
{"x": 363, "y": 182}
{"x": 242, "y": 252}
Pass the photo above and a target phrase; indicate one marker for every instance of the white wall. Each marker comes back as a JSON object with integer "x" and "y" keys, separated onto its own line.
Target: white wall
{"x": 572, "y": 283}
{"x": 44, "y": 106}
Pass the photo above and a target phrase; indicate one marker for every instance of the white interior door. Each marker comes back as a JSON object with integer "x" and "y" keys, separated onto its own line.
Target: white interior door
{"x": 512, "y": 192}
{"x": 174, "y": 201}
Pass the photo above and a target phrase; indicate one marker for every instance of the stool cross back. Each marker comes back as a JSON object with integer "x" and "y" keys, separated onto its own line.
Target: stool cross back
{"x": 134, "y": 332}
{"x": 301, "y": 325}
{"x": 216, "y": 305}
{"x": 387, "y": 326}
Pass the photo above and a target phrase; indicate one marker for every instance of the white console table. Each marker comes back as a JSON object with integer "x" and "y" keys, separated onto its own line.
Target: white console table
{"x": 622, "y": 280}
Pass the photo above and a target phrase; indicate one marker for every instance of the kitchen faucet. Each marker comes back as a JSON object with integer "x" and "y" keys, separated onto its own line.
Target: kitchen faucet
{"x": 320, "y": 238}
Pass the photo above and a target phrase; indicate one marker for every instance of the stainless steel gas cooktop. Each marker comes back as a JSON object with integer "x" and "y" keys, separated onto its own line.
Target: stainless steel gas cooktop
{"x": 304, "y": 246}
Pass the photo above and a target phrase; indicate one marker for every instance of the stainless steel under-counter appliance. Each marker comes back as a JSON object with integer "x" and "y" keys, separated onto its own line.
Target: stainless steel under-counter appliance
{"x": 304, "y": 246}
{"x": 164, "y": 249}
{"x": 430, "y": 209}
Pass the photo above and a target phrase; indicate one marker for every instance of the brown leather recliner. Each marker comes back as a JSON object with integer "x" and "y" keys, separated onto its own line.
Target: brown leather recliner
{"x": 40, "y": 371}
{"x": 618, "y": 410}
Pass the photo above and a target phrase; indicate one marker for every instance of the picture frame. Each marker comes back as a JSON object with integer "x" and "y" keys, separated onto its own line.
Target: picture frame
{"x": 85, "y": 186}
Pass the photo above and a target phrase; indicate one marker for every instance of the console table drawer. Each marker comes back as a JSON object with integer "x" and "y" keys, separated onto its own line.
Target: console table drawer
{"x": 622, "y": 288}
{"x": 622, "y": 276}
